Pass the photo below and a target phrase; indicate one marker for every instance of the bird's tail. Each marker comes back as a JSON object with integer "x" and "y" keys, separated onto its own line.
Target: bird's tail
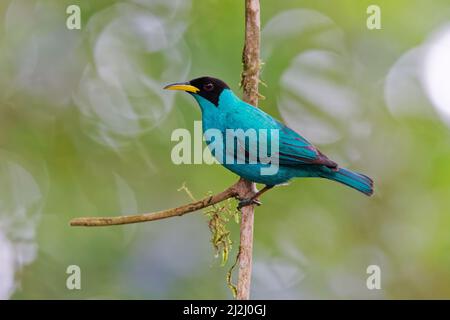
{"x": 352, "y": 179}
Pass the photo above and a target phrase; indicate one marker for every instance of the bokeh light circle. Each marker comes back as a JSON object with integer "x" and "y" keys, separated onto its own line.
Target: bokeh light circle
{"x": 437, "y": 72}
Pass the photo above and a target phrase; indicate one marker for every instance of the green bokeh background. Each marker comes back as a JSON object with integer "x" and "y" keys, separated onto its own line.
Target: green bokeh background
{"x": 313, "y": 238}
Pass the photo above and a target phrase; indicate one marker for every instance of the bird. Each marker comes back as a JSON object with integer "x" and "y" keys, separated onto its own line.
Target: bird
{"x": 223, "y": 110}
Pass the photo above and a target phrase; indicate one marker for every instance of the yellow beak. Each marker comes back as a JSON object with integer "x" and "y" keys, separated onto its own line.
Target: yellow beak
{"x": 184, "y": 86}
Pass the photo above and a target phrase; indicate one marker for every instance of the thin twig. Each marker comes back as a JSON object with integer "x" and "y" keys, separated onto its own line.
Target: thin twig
{"x": 179, "y": 211}
{"x": 249, "y": 82}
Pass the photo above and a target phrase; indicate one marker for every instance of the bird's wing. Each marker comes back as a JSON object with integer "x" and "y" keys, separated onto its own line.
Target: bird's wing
{"x": 293, "y": 149}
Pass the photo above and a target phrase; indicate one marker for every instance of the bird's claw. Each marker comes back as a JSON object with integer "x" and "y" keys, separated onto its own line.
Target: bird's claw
{"x": 248, "y": 202}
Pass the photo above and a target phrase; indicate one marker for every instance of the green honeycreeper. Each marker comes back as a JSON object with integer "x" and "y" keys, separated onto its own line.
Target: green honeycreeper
{"x": 296, "y": 157}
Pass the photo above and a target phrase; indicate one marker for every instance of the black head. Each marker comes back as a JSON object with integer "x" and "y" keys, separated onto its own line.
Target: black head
{"x": 206, "y": 87}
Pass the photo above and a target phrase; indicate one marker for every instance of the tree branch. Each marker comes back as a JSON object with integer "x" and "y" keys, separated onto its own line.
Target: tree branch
{"x": 250, "y": 54}
{"x": 231, "y": 192}
{"x": 249, "y": 82}
{"x": 243, "y": 189}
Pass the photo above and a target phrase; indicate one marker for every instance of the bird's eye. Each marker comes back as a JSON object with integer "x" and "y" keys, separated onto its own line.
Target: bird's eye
{"x": 208, "y": 87}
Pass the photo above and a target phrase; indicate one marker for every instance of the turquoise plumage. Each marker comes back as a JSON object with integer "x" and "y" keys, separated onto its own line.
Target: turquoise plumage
{"x": 222, "y": 110}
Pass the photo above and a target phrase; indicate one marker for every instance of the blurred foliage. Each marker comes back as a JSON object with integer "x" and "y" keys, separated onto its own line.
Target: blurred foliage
{"x": 85, "y": 130}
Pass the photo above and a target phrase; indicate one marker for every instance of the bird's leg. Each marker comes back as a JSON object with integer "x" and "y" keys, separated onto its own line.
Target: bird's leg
{"x": 260, "y": 192}
{"x": 254, "y": 198}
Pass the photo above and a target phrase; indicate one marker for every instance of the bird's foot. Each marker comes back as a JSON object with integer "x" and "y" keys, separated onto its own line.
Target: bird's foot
{"x": 248, "y": 202}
